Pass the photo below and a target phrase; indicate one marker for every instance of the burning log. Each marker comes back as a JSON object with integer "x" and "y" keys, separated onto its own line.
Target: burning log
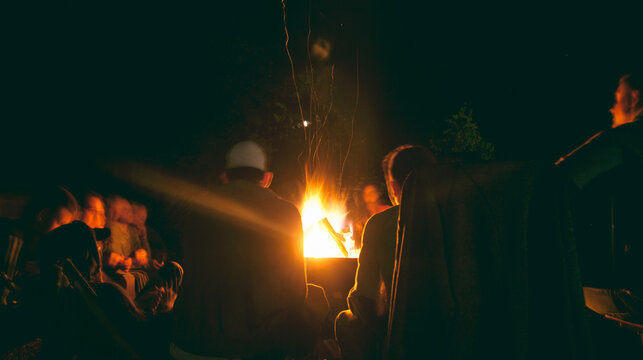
{"x": 320, "y": 216}
{"x": 339, "y": 240}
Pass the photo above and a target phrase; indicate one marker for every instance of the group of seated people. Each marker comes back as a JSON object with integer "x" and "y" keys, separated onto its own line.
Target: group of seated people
{"x": 109, "y": 243}
{"x": 245, "y": 293}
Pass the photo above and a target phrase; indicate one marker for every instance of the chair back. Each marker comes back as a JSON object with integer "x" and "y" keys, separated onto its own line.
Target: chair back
{"x": 486, "y": 266}
{"x": 119, "y": 347}
{"x": 9, "y": 268}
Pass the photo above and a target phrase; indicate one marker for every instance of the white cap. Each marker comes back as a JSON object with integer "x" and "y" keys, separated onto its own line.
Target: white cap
{"x": 246, "y": 154}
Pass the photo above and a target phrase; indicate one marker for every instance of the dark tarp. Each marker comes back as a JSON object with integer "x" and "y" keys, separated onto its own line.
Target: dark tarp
{"x": 486, "y": 266}
{"x": 607, "y": 205}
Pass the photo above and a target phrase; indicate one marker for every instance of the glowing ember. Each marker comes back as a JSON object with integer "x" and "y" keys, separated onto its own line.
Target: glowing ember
{"x": 318, "y": 241}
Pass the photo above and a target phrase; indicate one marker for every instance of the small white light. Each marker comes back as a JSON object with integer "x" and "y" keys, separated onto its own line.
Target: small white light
{"x": 306, "y": 123}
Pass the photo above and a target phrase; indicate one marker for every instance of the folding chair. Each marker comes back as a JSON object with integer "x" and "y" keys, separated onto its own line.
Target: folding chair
{"x": 8, "y": 271}
{"x": 638, "y": 328}
{"x": 75, "y": 280}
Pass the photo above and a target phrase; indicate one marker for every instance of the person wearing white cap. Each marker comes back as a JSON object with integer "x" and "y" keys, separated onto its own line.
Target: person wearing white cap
{"x": 244, "y": 289}
{"x": 247, "y": 161}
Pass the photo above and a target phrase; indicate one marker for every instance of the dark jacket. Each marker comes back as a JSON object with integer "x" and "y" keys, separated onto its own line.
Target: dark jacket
{"x": 607, "y": 173}
{"x": 75, "y": 241}
{"x": 244, "y": 269}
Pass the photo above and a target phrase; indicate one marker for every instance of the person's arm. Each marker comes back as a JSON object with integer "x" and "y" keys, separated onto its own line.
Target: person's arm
{"x": 145, "y": 244}
{"x": 141, "y": 252}
{"x": 363, "y": 296}
{"x": 158, "y": 250}
{"x": 113, "y": 255}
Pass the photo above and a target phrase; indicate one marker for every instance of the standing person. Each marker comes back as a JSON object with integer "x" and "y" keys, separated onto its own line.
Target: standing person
{"x": 607, "y": 171}
{"x": 360, "y": 330}
{"x": 244, "y": 290}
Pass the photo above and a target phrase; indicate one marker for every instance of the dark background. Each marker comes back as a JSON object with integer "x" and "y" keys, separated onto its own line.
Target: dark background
{"x": 87, "y": 86}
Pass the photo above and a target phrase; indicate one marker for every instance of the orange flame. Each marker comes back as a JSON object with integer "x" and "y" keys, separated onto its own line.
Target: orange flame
{"x": 318, "y": 242}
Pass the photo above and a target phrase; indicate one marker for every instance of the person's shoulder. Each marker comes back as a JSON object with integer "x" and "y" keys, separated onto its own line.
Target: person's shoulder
{"x": 385, "y": 217}
{"x": 265, "y": 197}
{"x": 634, "y": 126}
{"x": 73, "y": 229}
{"x": 284, "y": 204}
{"x": 66, "y": 238}
{"x": 629, "y": 135}
{"x": 624, "y": 135}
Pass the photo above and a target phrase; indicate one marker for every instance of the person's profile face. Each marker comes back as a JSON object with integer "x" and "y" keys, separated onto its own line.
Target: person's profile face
{"x": 623, "y": 95}
{"x": 370, "y": 194}
{"x": 139, "y": 215}
{"x": 94, "y": 214}
{"x": 122, "y": 211}
{"x": 128, "y": 214}
{"x": 622, "y": 108}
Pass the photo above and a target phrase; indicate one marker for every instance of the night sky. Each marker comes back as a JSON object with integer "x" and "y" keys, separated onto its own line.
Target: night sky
{"x": 87, "y": 85}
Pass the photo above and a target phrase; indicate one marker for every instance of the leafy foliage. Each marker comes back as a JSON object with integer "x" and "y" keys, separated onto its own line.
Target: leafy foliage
{"x": 460, "y": 138}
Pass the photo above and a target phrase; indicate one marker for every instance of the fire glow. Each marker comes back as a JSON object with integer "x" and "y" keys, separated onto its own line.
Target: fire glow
{"x": 325, "y": 228}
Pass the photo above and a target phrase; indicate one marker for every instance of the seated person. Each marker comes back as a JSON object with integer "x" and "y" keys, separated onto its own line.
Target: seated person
{"x": 366, "y": 204}
{"x": 77, "y": 242}
{"x": 136, "y": 321}
{"x": 245, "y": 293}
{"x": 45, "y": 212}
{"x": 126, "y": 257}
{"x": 125, "y": 249}
{"x": 373, "y": 200}
{"x": 94, "y": 211}
{"x": 93, "y": 214}
{"x": 607, "y": 171}
{"x": 360, "y": 330}
{"x": 149, "y": 237}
